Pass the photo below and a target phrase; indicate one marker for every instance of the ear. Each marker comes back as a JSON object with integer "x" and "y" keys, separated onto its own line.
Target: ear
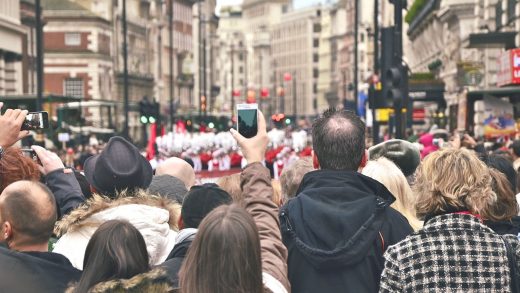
{"x": 364, "y": 160}
{"x": 180, "y": 223}
{"x": 315, "y": 162}
{"x": 7, "y": 231}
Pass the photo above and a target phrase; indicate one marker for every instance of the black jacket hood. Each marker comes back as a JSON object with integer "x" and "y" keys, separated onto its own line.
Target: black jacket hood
{"x": 341, "y": 214}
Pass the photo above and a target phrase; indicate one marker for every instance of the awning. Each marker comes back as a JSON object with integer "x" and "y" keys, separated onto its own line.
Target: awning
{"x": 496, "y": 92}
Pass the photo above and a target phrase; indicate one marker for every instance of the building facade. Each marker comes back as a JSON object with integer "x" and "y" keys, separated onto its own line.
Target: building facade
{"x": 12, "y": 34}
{"x": 230, "y": 60}
{"x": 263, "y": 71}
{"x": 295, "y": 49}
{"x": 448, "y": 40}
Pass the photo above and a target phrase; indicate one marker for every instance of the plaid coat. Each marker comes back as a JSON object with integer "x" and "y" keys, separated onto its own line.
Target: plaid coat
{"x": 452, "y": 253}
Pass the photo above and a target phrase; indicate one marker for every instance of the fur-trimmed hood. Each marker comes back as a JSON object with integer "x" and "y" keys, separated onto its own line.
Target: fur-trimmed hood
{"x": 155, "y": 281}
{"x": 155, "y": 217}
{"x": 76, "y": 219}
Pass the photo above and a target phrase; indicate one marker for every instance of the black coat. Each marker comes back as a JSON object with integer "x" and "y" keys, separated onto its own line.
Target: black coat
{"x": 174, "y": 260}
{"x": 336, "y": 230}
{"x": 506, "y": 227}
{"x": 35, "y": 272}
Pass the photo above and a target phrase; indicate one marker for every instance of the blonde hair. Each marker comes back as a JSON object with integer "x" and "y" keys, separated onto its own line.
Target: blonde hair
{"x": 386, "y": 172}
{"x": 292, "y": 176}
{"x": 453, "y": 179}
{"x": 231, "y": 184}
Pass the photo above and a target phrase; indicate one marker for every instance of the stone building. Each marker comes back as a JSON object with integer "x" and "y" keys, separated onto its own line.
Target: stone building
{"x": 230, "y": 59}
{"x": 460, "y": 42}
{"x": 12, "y": 35}
{"x": 295, "y": 49}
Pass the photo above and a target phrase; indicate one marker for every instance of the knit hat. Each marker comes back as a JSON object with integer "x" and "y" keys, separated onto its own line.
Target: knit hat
{"x": 119, "y": 166}
{"x": 403, "y": 153}
{"x": 200, "y": 201}
{"x": 168, "y": 186}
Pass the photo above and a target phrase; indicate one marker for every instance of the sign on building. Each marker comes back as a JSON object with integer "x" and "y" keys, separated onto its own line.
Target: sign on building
{"x": 509, "y": 68}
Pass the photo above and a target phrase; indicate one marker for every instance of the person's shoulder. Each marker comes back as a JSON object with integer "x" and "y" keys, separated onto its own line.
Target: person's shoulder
{"x": 396, "y": 226}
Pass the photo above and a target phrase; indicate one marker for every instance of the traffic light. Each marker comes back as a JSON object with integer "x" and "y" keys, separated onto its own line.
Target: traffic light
{"x": 149, "y": 111}
{"x": 396, "y": 83}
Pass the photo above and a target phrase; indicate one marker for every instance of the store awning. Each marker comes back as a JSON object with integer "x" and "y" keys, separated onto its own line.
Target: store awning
{"x": 496, "y": 40}
{"x": 496, "y": 92}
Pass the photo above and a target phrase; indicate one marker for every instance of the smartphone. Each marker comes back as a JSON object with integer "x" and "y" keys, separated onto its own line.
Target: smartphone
{"x": 36, "y": 120}
{"x": 247, "y": 122}
{"x": 30, "y": 153}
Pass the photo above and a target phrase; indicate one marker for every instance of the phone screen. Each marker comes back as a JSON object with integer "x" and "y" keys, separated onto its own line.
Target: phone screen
{"x": 247, "y": 122}
{"x": 36, "y": 120}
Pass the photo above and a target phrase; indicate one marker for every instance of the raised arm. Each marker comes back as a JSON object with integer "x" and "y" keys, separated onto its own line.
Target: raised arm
{"x": 257, "y": 192}
{"x": 61, "y": 181}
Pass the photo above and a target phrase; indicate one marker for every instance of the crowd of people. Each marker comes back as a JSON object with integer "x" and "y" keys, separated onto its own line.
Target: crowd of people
{"x": 346, "y": 217}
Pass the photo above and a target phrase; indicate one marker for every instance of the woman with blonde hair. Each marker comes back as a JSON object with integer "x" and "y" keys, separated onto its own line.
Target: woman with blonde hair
{"x": 386, "y": 172}
{"x": 454, "y": 250}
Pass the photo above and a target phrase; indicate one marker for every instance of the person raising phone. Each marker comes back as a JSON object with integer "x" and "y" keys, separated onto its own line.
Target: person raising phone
{"x": 10, "y": 125}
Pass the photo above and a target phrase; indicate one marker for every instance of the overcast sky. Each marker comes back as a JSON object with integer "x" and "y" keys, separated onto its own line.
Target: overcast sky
{"x": 297, "y": 3}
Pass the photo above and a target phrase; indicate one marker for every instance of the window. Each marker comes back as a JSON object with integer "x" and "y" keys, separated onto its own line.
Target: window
{"x": 498, "y": 15}
{"x": 72, "y": 39}
{"x": 511, "y": 7}
{"x": 315, "y": 73}
{"x": 73, "y": 87}
{"x": 241, "y": 56}
{"x": 316, "y": 28}
{"x": 315, "y": 57}
{"x": 241, "y": 69}
{"x": 316, "y": 43}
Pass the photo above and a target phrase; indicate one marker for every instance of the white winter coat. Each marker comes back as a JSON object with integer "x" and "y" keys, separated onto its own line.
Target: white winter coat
{"x": 153, "y": 216}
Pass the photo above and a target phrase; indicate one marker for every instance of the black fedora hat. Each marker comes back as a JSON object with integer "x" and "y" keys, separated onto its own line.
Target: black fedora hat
{"x": 119, "y": 166}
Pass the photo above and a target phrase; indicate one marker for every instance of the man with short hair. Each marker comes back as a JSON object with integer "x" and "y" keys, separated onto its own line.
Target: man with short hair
{"x": 178, "y": 168}
{"x": 27, "y": 217}
{"x": 339, "y": 225}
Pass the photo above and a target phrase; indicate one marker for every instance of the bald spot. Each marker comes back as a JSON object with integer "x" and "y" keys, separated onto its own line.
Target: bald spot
{"x": 338, "y": 125}
{"x": 30, "y": 207}
{"x": 179, "y": 168}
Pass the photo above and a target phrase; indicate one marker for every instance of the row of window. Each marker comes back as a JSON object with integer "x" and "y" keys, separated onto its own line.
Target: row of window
{"x": 499, "y": 12}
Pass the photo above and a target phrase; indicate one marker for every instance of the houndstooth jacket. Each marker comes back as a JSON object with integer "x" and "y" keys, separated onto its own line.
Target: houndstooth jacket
{"x": 452, "y": 253}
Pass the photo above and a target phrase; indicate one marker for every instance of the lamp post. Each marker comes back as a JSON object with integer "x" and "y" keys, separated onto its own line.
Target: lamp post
{"x": 170, "y": 35}
{"x": 356, "y": 33}
{"x": 39, "y": 55}
{"x": 125, "y": 72}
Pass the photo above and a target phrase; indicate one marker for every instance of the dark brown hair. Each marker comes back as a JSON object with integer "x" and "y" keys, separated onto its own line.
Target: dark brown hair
{"x": 225, "y": 255}
{"x": 115, "y": 251}
{"x": 506, "y": 206}
{"x": 14, "y": 166}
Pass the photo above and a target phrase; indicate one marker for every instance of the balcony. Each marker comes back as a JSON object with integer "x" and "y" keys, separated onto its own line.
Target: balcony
{"x": 419, "y": 12}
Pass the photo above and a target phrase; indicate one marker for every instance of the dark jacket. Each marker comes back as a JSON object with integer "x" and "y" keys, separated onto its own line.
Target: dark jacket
{"x": 173, "y": 263}
{"x": 506, "y": 227}
{"x": 336, "y": 230}
{"x": 35, "y": 272}
{"x": 66, "y": 190}
{"x": 451, "y": 253}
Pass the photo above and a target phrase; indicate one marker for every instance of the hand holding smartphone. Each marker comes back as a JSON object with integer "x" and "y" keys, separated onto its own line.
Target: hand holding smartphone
{"x": 36, "y": 120}
{"x": 247, "y": 122}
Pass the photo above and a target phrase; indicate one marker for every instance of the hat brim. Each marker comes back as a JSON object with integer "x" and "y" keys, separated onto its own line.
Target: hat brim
{"x": 90, "y": 167}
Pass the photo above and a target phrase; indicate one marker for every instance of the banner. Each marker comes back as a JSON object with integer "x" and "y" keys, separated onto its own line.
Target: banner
{"x": 499, "y": 119}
